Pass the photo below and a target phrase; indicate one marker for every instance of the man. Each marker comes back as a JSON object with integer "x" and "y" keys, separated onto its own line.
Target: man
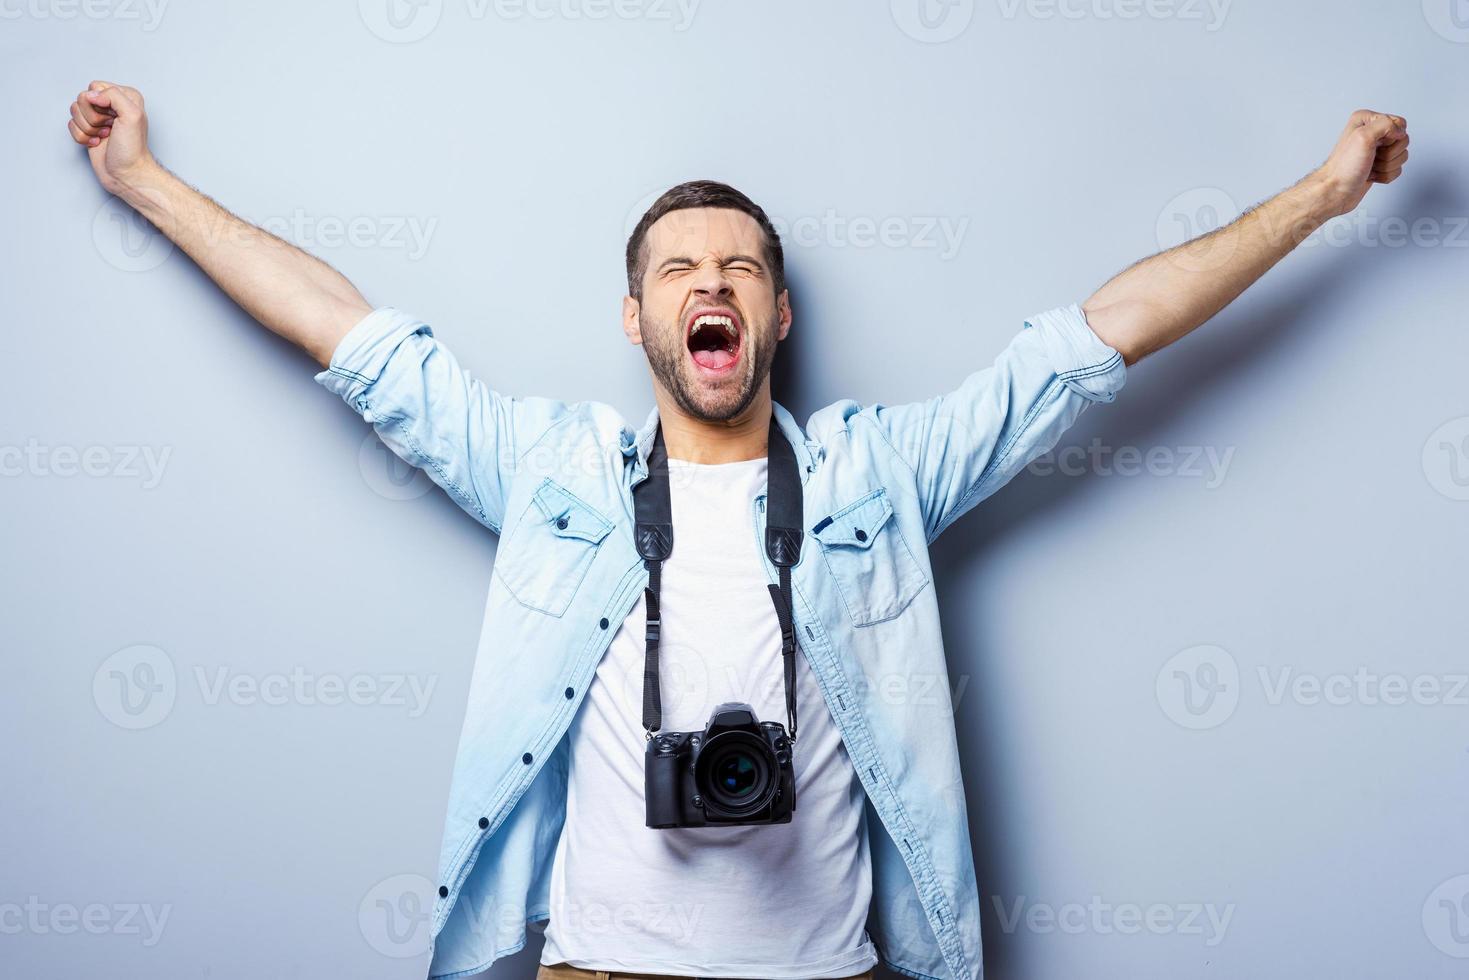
{"x": 546, "y": 819}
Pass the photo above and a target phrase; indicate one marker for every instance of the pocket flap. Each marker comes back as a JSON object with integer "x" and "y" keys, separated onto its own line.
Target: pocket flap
{"x": 857, "y": 523}
{"x": 567, "y": 516}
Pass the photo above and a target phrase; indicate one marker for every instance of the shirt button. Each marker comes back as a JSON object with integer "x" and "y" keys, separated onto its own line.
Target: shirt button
{"x": 603, "y": 623}
{"x": 561, "y": 523}
{"x": 484, "y": 822}
{"x": 443, "y": 891}
{"x": 569, "y": 694}
{"x": 526, "y": 758}
{"x": 861, "y": 534}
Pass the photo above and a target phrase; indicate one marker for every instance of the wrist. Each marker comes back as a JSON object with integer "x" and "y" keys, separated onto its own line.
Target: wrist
{"x": 1296, "y": 212}
{"x": 1324, "y": 195}
{"x": 140, "y": 183}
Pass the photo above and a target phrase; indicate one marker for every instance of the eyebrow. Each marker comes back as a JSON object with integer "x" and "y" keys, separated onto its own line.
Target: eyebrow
{"x": 729, "y": 260}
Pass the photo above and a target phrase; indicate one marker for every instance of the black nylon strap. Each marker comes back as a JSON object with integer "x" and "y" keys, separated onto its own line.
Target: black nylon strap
{"x": 654, "y": 538}
{"x": 780, "y": 595}
{"x": 654, "y": 535}
{"x": 784, "y": 517}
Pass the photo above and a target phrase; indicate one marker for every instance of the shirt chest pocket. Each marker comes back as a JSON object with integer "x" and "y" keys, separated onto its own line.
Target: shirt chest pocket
{"x": 867, "y": 556}
{"x": 544, "y": 560}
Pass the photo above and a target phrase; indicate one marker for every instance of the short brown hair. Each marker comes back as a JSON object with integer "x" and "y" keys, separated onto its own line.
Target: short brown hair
{"x": 701, "y": 194}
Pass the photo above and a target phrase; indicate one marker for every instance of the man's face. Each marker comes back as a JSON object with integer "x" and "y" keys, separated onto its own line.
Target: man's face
{"x": 709, "y": 318}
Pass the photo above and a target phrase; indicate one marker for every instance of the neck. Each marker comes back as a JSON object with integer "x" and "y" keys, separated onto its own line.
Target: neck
{"x": 701, "y": 441}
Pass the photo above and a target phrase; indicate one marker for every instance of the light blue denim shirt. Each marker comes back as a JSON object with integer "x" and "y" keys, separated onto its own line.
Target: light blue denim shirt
{"x": 554, "y": 479}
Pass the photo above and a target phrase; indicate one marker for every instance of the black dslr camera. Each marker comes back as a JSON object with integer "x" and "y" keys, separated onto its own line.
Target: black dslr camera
{"x": 736, "y": 771}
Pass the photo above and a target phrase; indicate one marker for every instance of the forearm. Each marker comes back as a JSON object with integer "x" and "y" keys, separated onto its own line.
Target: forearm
{"x": 289, "y": 291}
{"x": 1162, "y": 298}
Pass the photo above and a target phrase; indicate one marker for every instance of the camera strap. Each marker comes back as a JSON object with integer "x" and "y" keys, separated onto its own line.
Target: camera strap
{"x": 654, "y": 538}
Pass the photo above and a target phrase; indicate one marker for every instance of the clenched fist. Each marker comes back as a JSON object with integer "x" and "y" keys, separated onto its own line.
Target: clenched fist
{"x": 1371, "y": 150}
{"x": 109, "y": 121}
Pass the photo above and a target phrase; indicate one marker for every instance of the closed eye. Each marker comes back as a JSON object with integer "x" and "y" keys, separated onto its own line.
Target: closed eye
{"x": 744, "y": 264}
{"x": 675, "y": 265}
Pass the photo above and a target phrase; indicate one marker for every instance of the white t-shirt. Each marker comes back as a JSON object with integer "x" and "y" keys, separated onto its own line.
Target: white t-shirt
{"x": 781, "y": 901}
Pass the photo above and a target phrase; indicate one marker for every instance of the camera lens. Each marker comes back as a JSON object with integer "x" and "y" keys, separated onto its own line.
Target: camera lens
{"x": 735, "y": 774}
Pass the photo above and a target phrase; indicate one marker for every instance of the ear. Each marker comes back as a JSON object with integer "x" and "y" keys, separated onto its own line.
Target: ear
{"x": 631, "y": 325}
{"x": 783, "y": 313}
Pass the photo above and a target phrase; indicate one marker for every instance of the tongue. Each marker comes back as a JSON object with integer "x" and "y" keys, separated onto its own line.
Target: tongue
{"x": 713, "y": 359}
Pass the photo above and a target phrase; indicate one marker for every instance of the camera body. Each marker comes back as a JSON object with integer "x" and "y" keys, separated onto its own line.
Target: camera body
{"x": 738, "y": 770}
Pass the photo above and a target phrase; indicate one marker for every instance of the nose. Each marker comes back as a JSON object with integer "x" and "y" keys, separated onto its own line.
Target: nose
{"x": 711, "y": 282}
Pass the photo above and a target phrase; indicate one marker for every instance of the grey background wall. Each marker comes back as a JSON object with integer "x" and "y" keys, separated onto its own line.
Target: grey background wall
{"x": 1208, "y": 660}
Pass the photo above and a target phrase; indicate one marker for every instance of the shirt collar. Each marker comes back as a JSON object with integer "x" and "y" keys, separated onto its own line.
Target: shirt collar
{"x": 639, "y": 444}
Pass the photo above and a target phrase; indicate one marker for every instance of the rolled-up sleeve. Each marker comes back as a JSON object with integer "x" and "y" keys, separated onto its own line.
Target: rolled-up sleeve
{"x": 428, "y": 410}
{"x": 363, "y": 354}
{"x": 1080, "y": 359}
{"x": 964, "y": 445}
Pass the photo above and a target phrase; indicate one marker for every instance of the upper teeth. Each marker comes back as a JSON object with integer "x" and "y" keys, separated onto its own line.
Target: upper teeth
{"x": 712, "y": 320}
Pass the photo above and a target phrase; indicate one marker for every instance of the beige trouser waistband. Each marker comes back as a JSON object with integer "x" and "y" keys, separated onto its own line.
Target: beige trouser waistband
{"x": 565, "y": 971}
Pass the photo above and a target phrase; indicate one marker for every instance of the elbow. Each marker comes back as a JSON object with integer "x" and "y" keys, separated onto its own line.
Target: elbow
{"x": 1122, "y": 326}
{"x": 335, "y": 322}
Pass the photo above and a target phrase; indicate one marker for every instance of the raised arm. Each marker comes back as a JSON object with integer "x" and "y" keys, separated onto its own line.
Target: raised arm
{"x": 1162, "y": 298}
{"x": 966, "y": 443}
{"x": 290, "y": 292}
{"x": 383, "y": 362}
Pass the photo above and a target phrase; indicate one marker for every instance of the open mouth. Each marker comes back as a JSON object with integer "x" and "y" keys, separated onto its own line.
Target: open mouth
{"x": 713, "y": 338}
